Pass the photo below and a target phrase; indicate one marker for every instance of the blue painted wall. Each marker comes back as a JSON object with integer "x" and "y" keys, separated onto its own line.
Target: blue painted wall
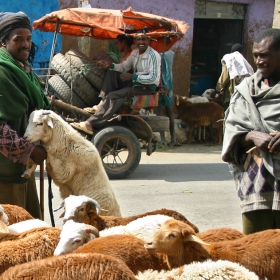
{"x": 35, "y": 10}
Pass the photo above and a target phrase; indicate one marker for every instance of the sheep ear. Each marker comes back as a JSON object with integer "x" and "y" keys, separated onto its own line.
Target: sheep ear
{"x": 48, "y": 119}
{"x": 177, "y": 102}
{"x": 194, "y": 238}
{"x": 60, "y": 206}
{"x": 50, "y": 123}
{"x": 62, "y": 214}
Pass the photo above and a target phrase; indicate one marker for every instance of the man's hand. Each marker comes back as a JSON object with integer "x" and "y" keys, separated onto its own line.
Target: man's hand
{"x": 103, "y": 63}
{"x": 260, "y": 139}
{"x": 126, "y": 76}
{"x": 39, "y": 154}
{"x": 274, "y": 144}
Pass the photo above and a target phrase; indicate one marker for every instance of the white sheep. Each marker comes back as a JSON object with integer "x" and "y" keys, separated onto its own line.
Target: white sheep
{"x": 74, "y": 235}
{"x": 71, "y": 267}
{"x": 143, "y": 228}
{"x": 208, "y": 270}
{"x": 179, "y": 244}
{"x": 210, "y": 93}
{"x": 73, "y": 162}
{"x": 196, "y": 99}
{"x": 27, "y": 225}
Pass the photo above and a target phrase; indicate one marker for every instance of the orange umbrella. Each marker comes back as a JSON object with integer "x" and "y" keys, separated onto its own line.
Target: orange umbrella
{"x": 107, "y": 24}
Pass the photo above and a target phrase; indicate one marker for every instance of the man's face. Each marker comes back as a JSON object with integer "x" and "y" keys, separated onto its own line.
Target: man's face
{"x": 120, "y": 45}
{"x": 266, "y": 58}
{"x": 142, "y": 43}
{"x": 18, "y": 43}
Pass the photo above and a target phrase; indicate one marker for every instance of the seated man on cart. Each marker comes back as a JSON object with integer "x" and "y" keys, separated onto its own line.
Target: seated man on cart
{"x": 145, "y": 64}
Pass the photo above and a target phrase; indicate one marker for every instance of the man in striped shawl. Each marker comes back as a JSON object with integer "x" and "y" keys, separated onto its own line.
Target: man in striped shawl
{"x": 251, "y": 143}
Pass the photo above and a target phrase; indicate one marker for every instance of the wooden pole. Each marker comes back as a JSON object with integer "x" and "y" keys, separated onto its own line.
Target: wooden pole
{"x": 42, "y": 189}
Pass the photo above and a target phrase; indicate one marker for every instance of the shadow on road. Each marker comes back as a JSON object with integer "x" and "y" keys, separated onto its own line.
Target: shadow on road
{"x": 182, "y": 172}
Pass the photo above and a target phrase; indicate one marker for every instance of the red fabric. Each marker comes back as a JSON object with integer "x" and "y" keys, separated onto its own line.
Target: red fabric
{"x": 14, "y": 147}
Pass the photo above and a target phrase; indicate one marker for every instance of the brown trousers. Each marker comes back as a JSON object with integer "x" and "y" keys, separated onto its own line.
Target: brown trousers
{"x": 114, "y": 94}
{"x": 24, "y": 195}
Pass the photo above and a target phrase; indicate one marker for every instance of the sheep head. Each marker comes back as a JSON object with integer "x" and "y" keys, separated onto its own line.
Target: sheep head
{"x": 179, "y": 99}
{"x": 40, "y": 125}
{"x": 171, "y": 237}
{"x": 74, "y": 235}
{"x": 80, "y": 208}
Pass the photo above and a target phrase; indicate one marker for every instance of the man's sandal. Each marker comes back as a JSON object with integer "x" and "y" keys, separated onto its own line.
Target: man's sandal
{"x": 82, "y": 127}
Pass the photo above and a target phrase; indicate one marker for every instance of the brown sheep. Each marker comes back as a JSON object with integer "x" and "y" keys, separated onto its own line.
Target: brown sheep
{"x": 258, "y": 252}
{"x": 16, "y": 213}
{"x": 24, "y": 247}
{"x": 200, "y": 114}
{"x": 71, "y": 267}
{"x": 127, "y": 248}
{"x": 220, "y": 234}
{"x": 83, "y": 209}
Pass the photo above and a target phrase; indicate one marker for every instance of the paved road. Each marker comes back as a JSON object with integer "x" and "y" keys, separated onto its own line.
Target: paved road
{"x": 191, "y": 179}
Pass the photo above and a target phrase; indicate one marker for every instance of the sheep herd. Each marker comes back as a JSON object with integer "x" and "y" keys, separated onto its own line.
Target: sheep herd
{"x": 160, "y": 244}
{"x": 97, "y": 243}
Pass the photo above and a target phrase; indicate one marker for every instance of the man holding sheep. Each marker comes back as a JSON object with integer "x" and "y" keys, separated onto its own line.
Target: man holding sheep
{"x": 252, "y": 139}
{"x": 20, "y": 94}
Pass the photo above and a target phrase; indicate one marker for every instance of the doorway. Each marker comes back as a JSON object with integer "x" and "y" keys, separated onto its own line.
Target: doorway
{"x": 212, "y": 39}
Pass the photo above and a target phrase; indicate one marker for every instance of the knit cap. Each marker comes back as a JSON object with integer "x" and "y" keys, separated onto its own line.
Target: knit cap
{"x": 9, "y": 21}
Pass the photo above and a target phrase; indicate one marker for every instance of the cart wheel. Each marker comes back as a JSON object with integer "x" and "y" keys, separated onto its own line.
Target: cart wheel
{"x": 119, "y": 149}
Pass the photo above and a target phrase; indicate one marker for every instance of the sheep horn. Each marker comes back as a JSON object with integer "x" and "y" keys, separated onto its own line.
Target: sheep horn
{"x": 96, "y": 205}
{"x": 104, "y": 210}
{"x": 60, "y": 206}
{"x": 92, "y": 229}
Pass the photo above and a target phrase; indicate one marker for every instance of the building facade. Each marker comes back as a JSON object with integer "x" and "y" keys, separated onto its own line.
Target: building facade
{"x": 214, "y": 26}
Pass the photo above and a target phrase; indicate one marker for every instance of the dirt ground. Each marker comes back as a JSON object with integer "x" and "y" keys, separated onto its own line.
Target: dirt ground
{"x": 191, "y": 179}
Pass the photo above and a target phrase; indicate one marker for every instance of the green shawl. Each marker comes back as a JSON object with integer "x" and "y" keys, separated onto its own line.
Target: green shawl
{"x": 254, "y": 106}
{"x": 20, "y": 92}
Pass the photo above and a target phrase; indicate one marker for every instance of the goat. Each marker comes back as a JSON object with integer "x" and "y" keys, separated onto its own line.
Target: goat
{"x": 73, "y": 162}
{"x": 84, "y": 209}
{"x": 71, "y": 267}
{"x": 258, "y": 252}
{"x": 201, "y": 114}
